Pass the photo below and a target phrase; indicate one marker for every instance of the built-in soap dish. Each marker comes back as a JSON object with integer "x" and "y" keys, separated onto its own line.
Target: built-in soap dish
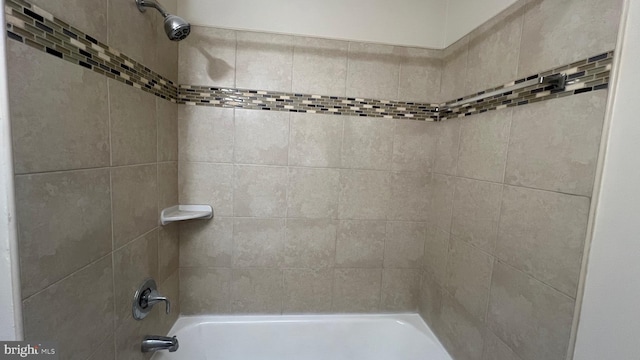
{"x": 185, "y": 212}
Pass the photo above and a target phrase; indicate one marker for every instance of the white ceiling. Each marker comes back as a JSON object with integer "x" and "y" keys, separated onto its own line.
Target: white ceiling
{"x": 422, "y": 23}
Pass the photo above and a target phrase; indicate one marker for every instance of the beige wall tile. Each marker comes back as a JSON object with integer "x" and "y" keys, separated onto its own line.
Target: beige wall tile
{"x": 256, "y": 291}
{"x": 208, "y": 57}
{"x": 319, "y": 66}
{"x": 167, "y": 185}
{"x": 206, "y": 243}
{"x": 476, "y": 212}
{"x": 316, "y": 140}
{"x": 64, "y": 224}
{"x": 554, "y": 144}
{"x": 313, "y": 193}
{"x": 135, "y": 202}
{"x": 134, "y": 136}
{"x": 307, "y": 290}
{"x": 530, "y": 317}
{"x": 261, "y": 137}
{"x": 368, "y": 143}
{"x": 132, "y": 32}
{"x": 310, "y": 243}
{"x": 454, "y": 71}
{"x": 357, "y": 290}
{"x": 441, "y": 203}
{"x": 414, "y": 146}
{"x": 132, "y": 264}
{"x": 410, "y": 194}
{"x": 79, "y": 323}
{"x": 212, "y": 184}
{"x": 89, "y": 16}
{"x": 436, "y": 253}
{"x": 404, "y": 247}
{"x": 168, "y": 251}
{"x": 484, "y": 140}
{"x": 400, "y": 290}
{"x": 260, "y": 191}
{"x": 167, "y": 117}
{"x": 106, "y": 351}
{"x": 264, "y": 61}
{"x": 206, "y": 134}
{"x": 363, "y": 195}
{"x": 63, "y": 125}
{"x": 373, "y": 71}
{"x": 430, "y": 302}
{"x": 205, "y": 290}
{"x": 543, "y": 234}
{"x": 447, "y": 147}
{"x": 360, "y": 244}
{"x": 469, "y": 277}
{"x": 460, "y": 332}
{"x": 495, "y": 349}
{"x": 560, "y": 32}
{"x": 494, "y": 49}
{"x": 258, "y": 243}
{"x": 420, "y": 73}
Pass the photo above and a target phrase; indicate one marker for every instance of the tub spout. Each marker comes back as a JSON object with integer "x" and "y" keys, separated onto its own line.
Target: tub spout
{"x": 153, "y": 343}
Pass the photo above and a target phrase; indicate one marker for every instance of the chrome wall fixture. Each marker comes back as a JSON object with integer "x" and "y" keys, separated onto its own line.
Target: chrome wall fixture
{"x": 176, "y": 27}
{"x": 558, "y": 81}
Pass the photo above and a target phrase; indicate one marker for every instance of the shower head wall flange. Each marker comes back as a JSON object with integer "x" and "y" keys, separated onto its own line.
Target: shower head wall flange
{"x": 144, "y": 4}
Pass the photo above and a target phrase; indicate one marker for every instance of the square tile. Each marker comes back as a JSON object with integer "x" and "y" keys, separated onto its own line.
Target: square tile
{"x": 484, "y": 139}
{"x": 360, "y": 244}
{"x": 310, "y": 243}
{"x": 357, "y": 290}
{"x": 212, "y": 184}
{"x": 543, "y": 234}
{"x": 261, "y": 137}
{"x": 554, "y": 144}
{"x": 316, "y": 140}
{"x": 364, "y": 195}
{"x": 206, "y": 134}
{"x": 404, "y": 247}
{"x": 313, "y": 193}
{"x": 258, "y": 243}
{"x": 260, "y": 191}
{"x": 313, "y": 60}
{"x": 307, "y": 291}
{"x": 264, "y": 61}
{"x": 367, "y": 143}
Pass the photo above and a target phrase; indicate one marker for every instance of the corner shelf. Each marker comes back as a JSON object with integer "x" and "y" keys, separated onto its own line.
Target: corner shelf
{"x": 185, "y": 212}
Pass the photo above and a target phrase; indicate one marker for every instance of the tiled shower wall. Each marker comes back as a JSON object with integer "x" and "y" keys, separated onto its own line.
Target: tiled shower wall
{"x": 95, "y": 160}
{"x": 313, "y": 213}
{"x": 511, "y": 188}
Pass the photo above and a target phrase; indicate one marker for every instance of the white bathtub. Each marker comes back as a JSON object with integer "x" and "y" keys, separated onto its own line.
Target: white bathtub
{"x": 302, "y": 337}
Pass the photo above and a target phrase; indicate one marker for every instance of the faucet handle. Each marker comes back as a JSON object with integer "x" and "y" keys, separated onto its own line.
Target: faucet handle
{"x": 153, "y": 297}
{"x": 145, "y": 297}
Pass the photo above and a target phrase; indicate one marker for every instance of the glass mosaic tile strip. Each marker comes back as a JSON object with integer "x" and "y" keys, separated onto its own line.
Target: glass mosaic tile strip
{"x": 39, "y": 29}
{"x": 586, "y": 75}
{"x": 35, "y": 27}
{"x": 303, "y": 103}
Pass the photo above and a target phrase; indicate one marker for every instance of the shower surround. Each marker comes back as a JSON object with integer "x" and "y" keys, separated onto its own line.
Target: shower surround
{"x": 342, "y": 201}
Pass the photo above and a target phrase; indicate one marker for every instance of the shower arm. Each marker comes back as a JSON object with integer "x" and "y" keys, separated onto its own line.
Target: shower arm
{"x": 144, "y": 4}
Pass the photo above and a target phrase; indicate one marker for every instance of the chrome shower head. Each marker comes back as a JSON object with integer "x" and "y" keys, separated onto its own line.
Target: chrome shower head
{"x": 176, "y": 27}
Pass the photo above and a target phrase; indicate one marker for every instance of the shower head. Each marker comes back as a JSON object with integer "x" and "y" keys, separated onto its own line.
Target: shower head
{"x": 176, "y": 27}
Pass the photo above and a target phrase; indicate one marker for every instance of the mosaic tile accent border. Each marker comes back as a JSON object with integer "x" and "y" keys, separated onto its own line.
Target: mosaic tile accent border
{"x": 302, "y": 103}
{"x": 582, "y": 76}
{"x": 35, "y": 27}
